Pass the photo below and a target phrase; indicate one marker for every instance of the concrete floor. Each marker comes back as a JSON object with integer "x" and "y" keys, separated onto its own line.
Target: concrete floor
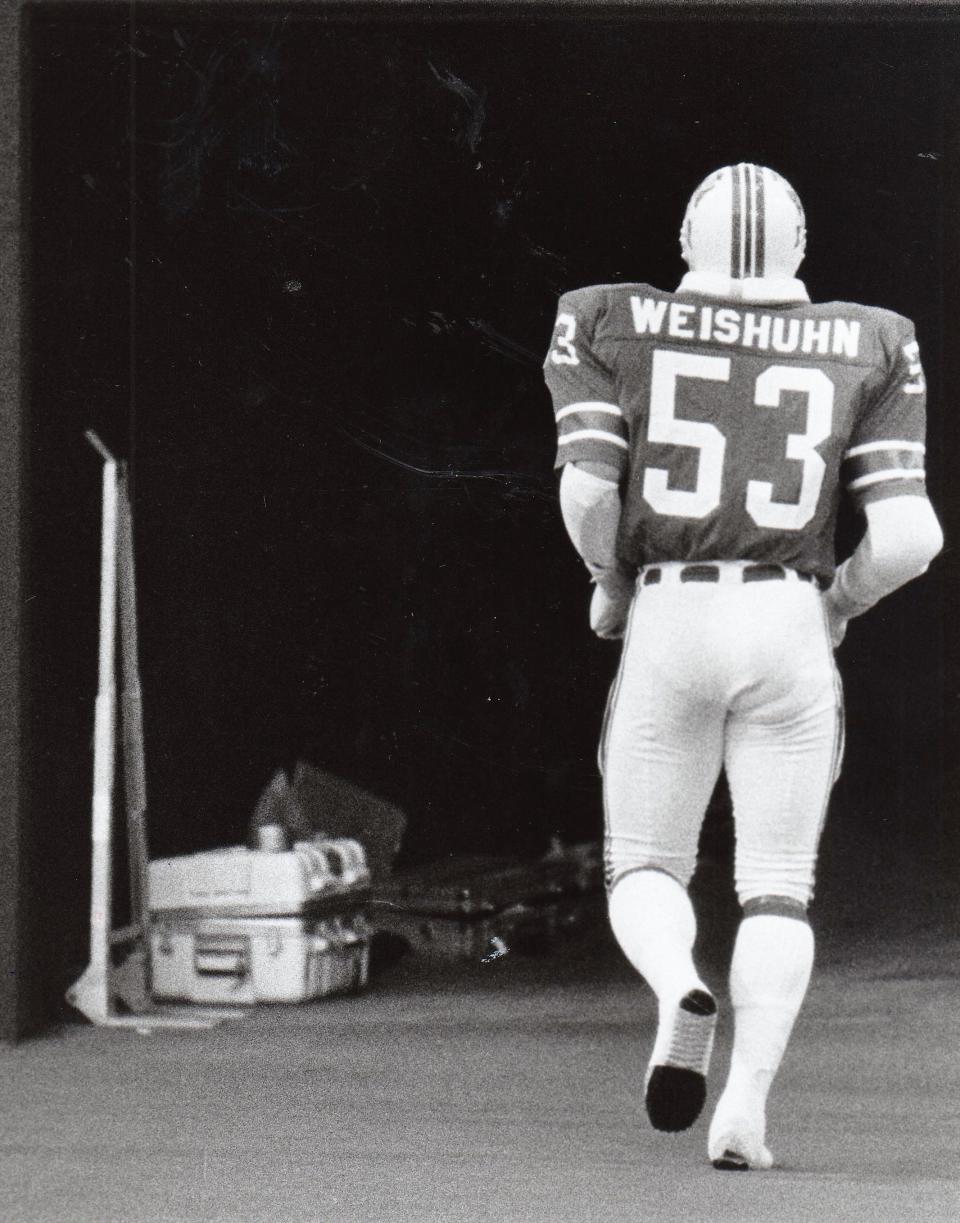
{"x": 508, "y": 1092}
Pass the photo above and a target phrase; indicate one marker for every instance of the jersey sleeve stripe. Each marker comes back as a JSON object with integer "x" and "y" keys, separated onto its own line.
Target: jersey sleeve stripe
{"x": 589, "y": 405}
{"x": 598, "y": 435}
{"x": 870, "y": 447}
{"x": 894, "y": 473}
{"x": 873, "y": 461}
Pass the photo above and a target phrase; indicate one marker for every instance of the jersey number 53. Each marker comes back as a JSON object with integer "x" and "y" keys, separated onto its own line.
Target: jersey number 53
{"x": 666, "y": 427}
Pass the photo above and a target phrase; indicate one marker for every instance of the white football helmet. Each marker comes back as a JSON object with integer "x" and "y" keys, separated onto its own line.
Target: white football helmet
{"x": 744, "y": 221}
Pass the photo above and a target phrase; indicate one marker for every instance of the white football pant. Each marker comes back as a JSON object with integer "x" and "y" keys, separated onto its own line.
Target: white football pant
{"x": 727, "y": 674}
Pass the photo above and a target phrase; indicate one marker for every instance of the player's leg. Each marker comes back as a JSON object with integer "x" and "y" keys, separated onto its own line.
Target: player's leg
{"x": 769, "y": 973}
{"x": 783, "y": 746}
{"x": 660, "y": 757}
{"x": 654, "y": 923}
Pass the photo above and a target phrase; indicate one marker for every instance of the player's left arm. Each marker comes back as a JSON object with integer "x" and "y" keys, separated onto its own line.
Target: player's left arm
{"x": 903, "y": 536}
{"x": 884, "y": 472}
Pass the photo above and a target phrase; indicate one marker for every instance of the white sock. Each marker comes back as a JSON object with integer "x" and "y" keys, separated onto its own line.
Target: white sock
{"x": 654, "y": 923}
{"x": 772, "y": 961}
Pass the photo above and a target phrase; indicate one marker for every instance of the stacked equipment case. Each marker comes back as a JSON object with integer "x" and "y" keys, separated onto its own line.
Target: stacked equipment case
{"x": 253, "y": 925}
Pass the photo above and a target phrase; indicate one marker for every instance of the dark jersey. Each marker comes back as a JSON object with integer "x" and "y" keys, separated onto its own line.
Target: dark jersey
{"x": 735, "y": 425}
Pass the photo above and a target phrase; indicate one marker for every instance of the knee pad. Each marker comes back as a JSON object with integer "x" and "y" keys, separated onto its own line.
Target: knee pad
{"x": 779, "y": 872}
{"x": 775, "y": 906}
{"x": 616, "y": 876}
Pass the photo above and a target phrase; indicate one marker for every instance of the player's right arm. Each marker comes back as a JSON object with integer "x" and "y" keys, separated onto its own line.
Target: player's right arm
{"x": 592, "y": 449}
{"x": 884, "y": 473}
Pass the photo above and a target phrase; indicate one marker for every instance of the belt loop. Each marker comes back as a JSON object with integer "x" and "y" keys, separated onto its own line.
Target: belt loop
{"x": 710, "y": 571}
{"x": 700, "y": 573}
{"x": 764, "y": 573}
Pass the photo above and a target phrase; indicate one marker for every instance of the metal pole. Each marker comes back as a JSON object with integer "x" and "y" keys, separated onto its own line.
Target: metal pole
{"x": 131, "y": 721}
{"x": 93, "y": 990}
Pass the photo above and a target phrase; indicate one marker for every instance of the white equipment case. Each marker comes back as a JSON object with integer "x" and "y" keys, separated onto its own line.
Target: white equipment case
{"x": 245, "y": 926}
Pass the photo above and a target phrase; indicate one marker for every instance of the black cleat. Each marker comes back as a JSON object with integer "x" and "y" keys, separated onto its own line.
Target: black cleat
{"x": 677, "y": 1083}
{"x": 675, "y": 1098}
{"x": 736, "y": 1141}
{"x": 730, "y": 1161}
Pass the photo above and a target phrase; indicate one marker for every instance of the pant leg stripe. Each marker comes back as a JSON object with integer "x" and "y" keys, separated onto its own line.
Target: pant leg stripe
{"x": 839, "y": 732}
{"x": 605, "y": 735}
{"x": 837, "y": 753}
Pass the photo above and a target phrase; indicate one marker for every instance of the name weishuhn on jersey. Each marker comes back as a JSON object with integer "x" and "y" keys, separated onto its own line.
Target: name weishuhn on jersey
{"x": 732, "y": 424}
{"x": 838, "y": 337}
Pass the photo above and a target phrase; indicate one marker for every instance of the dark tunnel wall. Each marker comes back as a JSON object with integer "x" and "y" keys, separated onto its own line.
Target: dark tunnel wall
{"x": 317, "y": 336}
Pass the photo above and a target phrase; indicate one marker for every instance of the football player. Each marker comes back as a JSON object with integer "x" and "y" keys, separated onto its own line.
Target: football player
{"x": 704, "y": 438}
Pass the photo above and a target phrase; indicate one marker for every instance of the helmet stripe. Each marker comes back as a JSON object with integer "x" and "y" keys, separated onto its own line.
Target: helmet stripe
{"x": 749, "y": 217}
{"x": 727, "y": 227}
{"x": 736, "y": 247}
{"x": 752, "y": 262}
{"x": 761, "y": 219}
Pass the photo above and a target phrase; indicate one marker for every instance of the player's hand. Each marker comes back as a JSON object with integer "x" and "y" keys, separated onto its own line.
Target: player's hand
{"x": 836, "y": 623}
{"x": 610, "y": 607}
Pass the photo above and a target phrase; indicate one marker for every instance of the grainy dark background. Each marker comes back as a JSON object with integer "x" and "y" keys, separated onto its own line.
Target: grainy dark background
{"x": 302, "y": 272}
